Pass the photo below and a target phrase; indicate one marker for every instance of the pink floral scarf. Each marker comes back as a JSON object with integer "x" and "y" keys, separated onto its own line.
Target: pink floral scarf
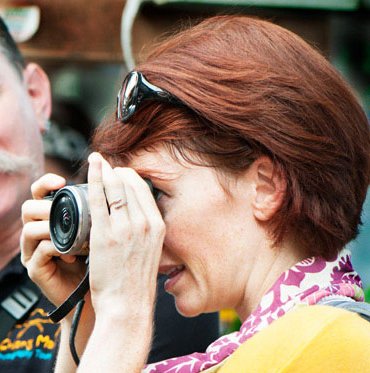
{"x": 306, "y": 283}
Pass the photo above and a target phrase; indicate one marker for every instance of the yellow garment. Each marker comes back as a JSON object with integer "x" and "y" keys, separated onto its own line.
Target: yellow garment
{"x": 307, "y": 339}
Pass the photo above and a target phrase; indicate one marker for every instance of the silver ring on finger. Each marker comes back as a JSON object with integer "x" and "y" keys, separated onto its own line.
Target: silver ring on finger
{"x": 117, "y": 204}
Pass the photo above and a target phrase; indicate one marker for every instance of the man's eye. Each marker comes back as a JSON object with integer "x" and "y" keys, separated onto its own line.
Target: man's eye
{"x": 157, "y": 194}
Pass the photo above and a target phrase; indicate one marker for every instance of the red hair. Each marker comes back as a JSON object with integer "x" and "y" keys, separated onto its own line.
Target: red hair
{"x": 252, "y": 88}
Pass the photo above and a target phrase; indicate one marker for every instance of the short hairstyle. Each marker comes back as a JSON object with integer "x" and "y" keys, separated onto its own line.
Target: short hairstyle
{"x": 10, "y": 50}
{"x": 253, "y": 88}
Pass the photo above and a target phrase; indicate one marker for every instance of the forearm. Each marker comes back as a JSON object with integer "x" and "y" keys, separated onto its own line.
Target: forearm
{"x": 118, "y": 344}
{"x": 65, "y": 362}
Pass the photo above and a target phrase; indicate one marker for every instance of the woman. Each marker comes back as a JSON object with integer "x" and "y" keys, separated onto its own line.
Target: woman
{"x": 259, "y": 153}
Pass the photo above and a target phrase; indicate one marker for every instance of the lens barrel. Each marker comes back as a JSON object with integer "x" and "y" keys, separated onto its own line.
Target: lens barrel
{"x": 70, "y": 220}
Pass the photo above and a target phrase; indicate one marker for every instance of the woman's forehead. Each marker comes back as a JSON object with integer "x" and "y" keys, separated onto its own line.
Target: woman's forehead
{"x": 156, "y": 160}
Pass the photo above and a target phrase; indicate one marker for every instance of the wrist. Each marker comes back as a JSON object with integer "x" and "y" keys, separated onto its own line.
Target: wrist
{"x": 122, "y": 310}
{"x": 120, "y": 331}
{"x": 121, "y": 316}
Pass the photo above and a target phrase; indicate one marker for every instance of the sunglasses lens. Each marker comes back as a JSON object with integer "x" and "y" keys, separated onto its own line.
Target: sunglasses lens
{"x": 135, "y": 90}
{"x": 128, "y": 96}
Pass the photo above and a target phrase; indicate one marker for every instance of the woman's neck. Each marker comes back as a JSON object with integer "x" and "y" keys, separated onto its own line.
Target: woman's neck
{"x": 266, "y": 269}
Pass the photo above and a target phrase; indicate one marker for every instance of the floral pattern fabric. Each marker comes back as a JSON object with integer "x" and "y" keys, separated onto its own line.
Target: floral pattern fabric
{"x": 305, "y": 283}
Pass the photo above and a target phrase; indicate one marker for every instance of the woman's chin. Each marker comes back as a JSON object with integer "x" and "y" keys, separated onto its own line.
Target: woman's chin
{"x": 186, "y": 309}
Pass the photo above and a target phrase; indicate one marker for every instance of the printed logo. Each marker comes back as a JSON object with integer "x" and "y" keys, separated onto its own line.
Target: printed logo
{"x": 35, "y": 338}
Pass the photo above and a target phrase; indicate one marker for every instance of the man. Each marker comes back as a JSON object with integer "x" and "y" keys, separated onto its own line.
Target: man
{"x": 29, "y": 344}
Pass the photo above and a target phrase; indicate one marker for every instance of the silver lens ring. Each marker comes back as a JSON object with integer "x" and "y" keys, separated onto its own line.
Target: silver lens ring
{"x": 70, "y": 220}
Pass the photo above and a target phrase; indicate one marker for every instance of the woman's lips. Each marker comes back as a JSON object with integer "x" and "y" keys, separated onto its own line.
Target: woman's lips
{"x": 173, "y": 273}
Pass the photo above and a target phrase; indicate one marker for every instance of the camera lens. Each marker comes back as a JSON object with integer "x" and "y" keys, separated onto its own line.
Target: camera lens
{"x": 70, "y": 220}
{"x": 64, "y": 220}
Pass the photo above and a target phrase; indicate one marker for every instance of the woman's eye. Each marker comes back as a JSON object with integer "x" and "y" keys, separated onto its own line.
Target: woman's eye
{"x": 157, "y": 194}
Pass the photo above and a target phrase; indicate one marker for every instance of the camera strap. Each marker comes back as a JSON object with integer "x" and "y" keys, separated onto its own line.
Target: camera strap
{"x": 67, "y": 306}
{"x": 361, "y": 308}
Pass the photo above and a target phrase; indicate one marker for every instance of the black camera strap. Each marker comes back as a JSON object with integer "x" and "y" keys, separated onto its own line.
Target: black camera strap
{"x": 68, "y": 305}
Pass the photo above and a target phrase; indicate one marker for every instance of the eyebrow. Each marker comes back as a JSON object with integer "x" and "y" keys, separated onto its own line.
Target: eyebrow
{"x": 157, "y": 174}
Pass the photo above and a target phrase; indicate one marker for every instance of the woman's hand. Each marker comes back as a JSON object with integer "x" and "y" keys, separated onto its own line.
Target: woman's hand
{"x": 125, "y": 242}
{"x": 57, "y": 275}
{"x": 125, "y": 247}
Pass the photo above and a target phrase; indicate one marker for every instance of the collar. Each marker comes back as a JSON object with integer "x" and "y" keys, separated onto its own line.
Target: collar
{"x": 305, "y": 283}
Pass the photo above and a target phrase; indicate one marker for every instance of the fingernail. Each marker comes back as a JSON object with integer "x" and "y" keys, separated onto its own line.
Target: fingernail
{"x": 94, "y": 157}
{"x": 58, "y": 180}
{"x": 55, "y": 180}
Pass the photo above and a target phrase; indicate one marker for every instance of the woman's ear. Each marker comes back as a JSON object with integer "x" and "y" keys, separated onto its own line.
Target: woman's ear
{"x": 38, "y": 89}
{"x": 270, "y": 188}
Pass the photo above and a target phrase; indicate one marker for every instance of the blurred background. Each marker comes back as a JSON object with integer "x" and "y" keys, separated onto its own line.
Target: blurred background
{"x": 79, "y": 44}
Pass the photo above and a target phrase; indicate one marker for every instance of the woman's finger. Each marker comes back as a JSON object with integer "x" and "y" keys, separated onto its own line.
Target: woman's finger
{"x": 33, "y": 232}
{"x": 97, "y": 200}
{"x": 68, "y": 258}
{"x": 34, "y": 210}
{"x": 115, "y": 194}
{"x": 41, "y": 257}
{"x": 135, "y": 215}
{"x": 140, "y": 189}
{"x": 46, "y": 183}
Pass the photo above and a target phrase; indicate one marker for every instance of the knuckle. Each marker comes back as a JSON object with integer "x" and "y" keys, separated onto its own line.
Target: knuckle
{"x": 32, "y": 271}
{"x": 121, "y": 170}
{"x": 21, "y": 240}
{"x": 140, "y": 224}
{"x": 128, "y": 170}
{"x": 158, "y": 227}
{"x": 26, "y": 231}
{"x": 127, "y": 231}
{"x": 131, "y": 172}
{"x": 23, "y": 258}
{"x": 35, "y": 187}
{"x": 122, "y": 232}
{"x": 113, "y": 241}
{"x": 126, "y": 173}
{"x": 24, "y": 209}
{"x": 43, "y": 246}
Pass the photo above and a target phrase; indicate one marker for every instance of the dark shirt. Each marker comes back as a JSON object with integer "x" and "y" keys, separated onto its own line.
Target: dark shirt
{"x": 31, "y": 346}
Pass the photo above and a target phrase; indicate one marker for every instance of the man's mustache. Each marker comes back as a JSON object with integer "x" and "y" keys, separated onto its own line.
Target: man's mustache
{"x": 15, "y": 164}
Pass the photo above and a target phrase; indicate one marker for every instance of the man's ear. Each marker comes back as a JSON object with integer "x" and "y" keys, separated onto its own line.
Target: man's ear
{"x": 38, "y": 88}
{"x": 270, "y": 188}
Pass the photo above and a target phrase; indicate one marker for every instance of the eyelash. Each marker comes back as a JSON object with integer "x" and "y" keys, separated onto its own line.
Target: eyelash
{"x": 157, "y": 194}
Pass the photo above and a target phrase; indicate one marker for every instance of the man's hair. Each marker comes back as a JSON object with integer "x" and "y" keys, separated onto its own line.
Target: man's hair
{"x": 9, "y": 49}
{"x": 252, "y": 88}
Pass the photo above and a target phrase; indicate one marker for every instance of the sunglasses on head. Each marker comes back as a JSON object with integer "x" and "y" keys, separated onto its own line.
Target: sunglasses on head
{"x": 134, "y": 91}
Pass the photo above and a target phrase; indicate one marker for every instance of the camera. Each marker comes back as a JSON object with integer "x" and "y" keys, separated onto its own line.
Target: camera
{"x": 70, "y": 219}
